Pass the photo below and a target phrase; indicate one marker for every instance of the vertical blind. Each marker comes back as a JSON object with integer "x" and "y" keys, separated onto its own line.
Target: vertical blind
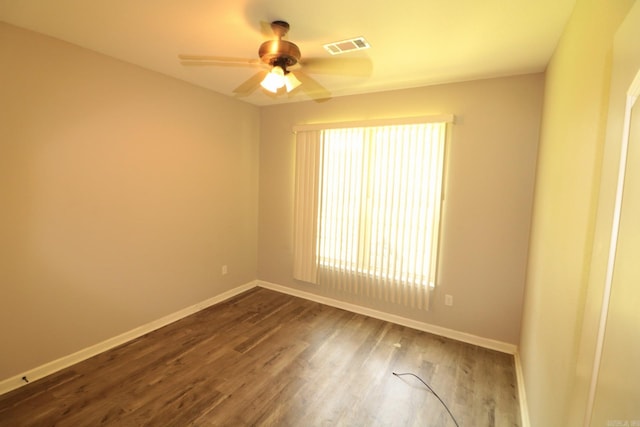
{"x": 367, "y": 209}
{"x": 306, "y": 205}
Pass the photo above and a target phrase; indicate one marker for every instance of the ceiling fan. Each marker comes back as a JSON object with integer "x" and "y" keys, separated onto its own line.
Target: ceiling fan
{"x": 280, "y": 58}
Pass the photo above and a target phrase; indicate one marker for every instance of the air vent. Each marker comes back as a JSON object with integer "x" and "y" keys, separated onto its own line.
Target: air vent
{"x": 345, "y": 46}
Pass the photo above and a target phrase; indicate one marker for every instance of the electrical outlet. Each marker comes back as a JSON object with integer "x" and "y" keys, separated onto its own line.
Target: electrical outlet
{"x": 224, "y": 270}
{"x": 448, "y": 300}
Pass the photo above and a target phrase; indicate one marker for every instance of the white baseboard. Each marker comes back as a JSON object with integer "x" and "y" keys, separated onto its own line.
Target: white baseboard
{"x": 522, "y": 397}
{"x": 34, "y": 374}
{"x": 414, "y": 324}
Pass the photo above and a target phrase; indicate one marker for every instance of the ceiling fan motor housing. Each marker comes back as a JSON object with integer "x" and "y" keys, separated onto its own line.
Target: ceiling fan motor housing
{"x": 279, "y": 52}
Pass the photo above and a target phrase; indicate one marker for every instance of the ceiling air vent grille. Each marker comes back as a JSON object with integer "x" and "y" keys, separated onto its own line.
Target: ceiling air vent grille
{"x": 345, "y": 46}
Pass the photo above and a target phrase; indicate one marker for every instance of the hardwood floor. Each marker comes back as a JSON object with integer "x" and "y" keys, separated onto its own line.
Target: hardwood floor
{"x": 265, "y": 358}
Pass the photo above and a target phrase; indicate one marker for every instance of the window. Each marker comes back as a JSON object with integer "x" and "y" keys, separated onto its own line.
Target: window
{"x": 373, "y": 206}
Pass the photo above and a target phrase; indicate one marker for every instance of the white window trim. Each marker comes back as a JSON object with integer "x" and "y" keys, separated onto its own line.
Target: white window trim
{"x": 438, "y": 118}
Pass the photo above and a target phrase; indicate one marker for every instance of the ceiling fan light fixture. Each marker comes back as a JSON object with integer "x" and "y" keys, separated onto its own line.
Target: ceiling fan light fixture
{"x": 274, "y": 80}
{"x": 291, "y": 82}
{"x": 278, "y": 77}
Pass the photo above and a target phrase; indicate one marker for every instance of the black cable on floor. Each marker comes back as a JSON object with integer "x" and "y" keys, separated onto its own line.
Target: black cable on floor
{"x": 431, "y": 390}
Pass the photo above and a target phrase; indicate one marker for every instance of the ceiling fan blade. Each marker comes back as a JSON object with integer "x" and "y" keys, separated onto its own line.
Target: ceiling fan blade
{"x": 217, "y": 60}
{"x": 250, "y": 85}
{"x": 265, "y": 30}
{"x": 312, "y": 88}
{"x": 360, "y": 67}
{"x": 217, "y": 64}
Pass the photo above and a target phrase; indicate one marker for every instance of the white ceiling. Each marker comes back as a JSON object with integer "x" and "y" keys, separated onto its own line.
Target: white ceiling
{"x": 414, "y": 42}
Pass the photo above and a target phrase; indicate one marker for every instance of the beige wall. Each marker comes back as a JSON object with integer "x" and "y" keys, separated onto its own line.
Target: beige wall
{"x": 557, "y": 337}
{"x": 489, "y": 188}
{"x": 618, "y": 389}
{"x": 122, "y": 193}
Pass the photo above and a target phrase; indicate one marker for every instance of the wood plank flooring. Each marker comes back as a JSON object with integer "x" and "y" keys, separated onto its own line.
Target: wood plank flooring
{"x": 266, "y": 358}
